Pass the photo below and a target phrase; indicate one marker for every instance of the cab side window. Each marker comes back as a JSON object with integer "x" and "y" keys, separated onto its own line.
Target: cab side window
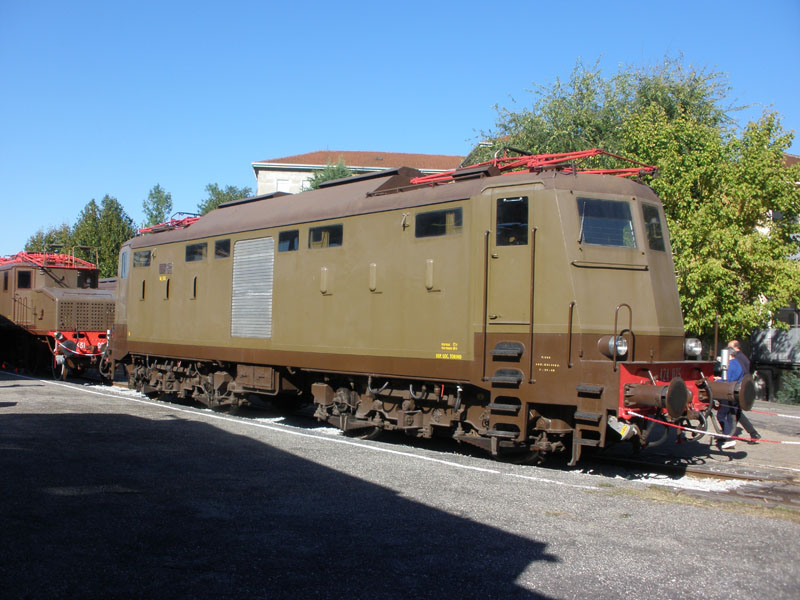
{"x": 327, "y": 236}
{"x": 23, "y": 280}
{"x": 512, "y": 221}
{"x": 288, "y": 241}
{"x": 123, "y": 265}
{"x": 196, "y": 252}
{"x": 438, "y": 222}
{"x": 652, "y": 226}
{"x": 222, "y": 248}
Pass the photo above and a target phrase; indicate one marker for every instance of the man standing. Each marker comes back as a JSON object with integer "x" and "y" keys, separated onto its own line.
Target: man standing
{"x": 742, "y": 358}
{"x": 726, "y": 411}
{"x": 738, "y": 367}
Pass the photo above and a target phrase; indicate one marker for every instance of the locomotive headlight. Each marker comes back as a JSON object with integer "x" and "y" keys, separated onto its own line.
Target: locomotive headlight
{"x": 692, "y": 347}
{"x": 621, "y": 346}
{"x": 612, "y": 346}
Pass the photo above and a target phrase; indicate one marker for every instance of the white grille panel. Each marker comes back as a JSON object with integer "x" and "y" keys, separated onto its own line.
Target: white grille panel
{"x": 251, "y": 309}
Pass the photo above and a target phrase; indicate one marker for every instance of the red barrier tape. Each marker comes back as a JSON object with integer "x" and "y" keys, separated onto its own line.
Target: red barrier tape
{"x": 75, "y": 351}
{"x": 772, "y": 414}
{"x": 713, "y": 434}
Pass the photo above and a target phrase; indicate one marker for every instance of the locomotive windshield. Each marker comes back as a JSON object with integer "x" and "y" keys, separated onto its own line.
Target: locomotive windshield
{"x": 606, "y": 223}
{"x": 141, "y": 258}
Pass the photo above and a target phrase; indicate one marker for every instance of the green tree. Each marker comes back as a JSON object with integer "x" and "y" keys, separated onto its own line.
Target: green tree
{"x": 721, "y": 187}
{"x": 87, "y": 235}
{"x": 217, "y": 196}
{"x": 100, "y": 231}
{"x": 157, "y": 206}
{"x": 329, "y": 173}
{"x": 52, "y": 239}
{"x": 117, "y": 228}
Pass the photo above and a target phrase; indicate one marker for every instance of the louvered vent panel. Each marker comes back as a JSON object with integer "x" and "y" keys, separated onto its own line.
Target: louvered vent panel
{"x": 100, "y": 316}
{"x": 66, "y": 315}
{"x": 82, "y": 316}
{"x": 251, "y": 309}
{"x": 86, "y": 315}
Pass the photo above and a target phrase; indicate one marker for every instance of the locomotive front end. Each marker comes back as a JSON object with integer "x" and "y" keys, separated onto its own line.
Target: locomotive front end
{"x": 683, "y": 394}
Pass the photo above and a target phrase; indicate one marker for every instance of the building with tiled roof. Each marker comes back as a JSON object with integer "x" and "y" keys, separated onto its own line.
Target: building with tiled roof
{"x": 292, "y": 173}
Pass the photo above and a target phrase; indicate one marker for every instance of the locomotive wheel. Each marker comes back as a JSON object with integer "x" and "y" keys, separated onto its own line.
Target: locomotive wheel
{"x": 528, "y": 457}
{"x": 60, "y": 370}
{"x": 370, "y": 433}
{"x": 106, "y": 369}
{"x": 699, "y": 423}
{"x": 657, "y": 435}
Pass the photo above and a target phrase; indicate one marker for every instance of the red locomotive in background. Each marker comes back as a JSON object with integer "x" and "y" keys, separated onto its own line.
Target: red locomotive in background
{"x": 52, "y": 312}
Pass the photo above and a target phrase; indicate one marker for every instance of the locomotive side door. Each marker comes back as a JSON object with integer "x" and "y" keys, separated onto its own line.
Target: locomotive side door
{"x": 509, "y": 269}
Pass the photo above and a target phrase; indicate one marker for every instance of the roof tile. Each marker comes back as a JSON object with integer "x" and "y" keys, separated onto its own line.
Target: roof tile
{"x": 384, "y": 160}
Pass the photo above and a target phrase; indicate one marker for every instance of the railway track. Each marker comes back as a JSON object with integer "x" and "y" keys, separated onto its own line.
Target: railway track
{"x": 761, "y": 486}
{"x": 658, "y": 465}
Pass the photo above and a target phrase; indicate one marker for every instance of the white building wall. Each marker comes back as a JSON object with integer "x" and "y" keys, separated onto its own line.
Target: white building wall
{"x": 292, "y": 182}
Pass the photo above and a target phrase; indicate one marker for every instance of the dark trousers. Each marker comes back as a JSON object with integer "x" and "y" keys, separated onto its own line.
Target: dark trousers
{"x": 747, "y": 425}
{"x": 726, "y": 415}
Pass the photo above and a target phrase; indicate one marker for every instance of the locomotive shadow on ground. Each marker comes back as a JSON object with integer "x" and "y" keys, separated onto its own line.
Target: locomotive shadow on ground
{"x": 669, "y": 458}
{"x": 113, "y": 505}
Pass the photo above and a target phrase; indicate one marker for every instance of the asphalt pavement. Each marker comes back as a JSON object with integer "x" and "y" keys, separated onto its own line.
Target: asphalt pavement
{"x": 105, "y": 494}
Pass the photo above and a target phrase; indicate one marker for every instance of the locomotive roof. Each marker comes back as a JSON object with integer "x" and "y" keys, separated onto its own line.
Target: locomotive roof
{"x": 373, "y": 193}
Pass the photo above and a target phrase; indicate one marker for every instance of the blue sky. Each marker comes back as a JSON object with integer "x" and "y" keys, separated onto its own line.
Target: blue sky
{"x": 111, "y": 98}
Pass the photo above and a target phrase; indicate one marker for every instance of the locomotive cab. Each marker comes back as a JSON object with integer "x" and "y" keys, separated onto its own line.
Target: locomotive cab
{"x": 580, "y": 279}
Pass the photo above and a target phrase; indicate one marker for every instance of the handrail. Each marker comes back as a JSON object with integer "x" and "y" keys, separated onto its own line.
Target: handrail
{"x": 569, "y": 334}
{"x": 533, "y": 279}
{"x": 486, "y": 235}
{"x": 21, "y": 311}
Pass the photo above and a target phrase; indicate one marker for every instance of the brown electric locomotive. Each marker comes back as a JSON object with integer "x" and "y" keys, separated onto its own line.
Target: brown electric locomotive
{"x": 521, "y": 306}
{"x": 52, "y": 312}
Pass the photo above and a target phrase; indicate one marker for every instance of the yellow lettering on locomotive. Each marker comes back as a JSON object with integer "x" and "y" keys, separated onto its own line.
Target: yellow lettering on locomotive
{"x": 547, "y": 367}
